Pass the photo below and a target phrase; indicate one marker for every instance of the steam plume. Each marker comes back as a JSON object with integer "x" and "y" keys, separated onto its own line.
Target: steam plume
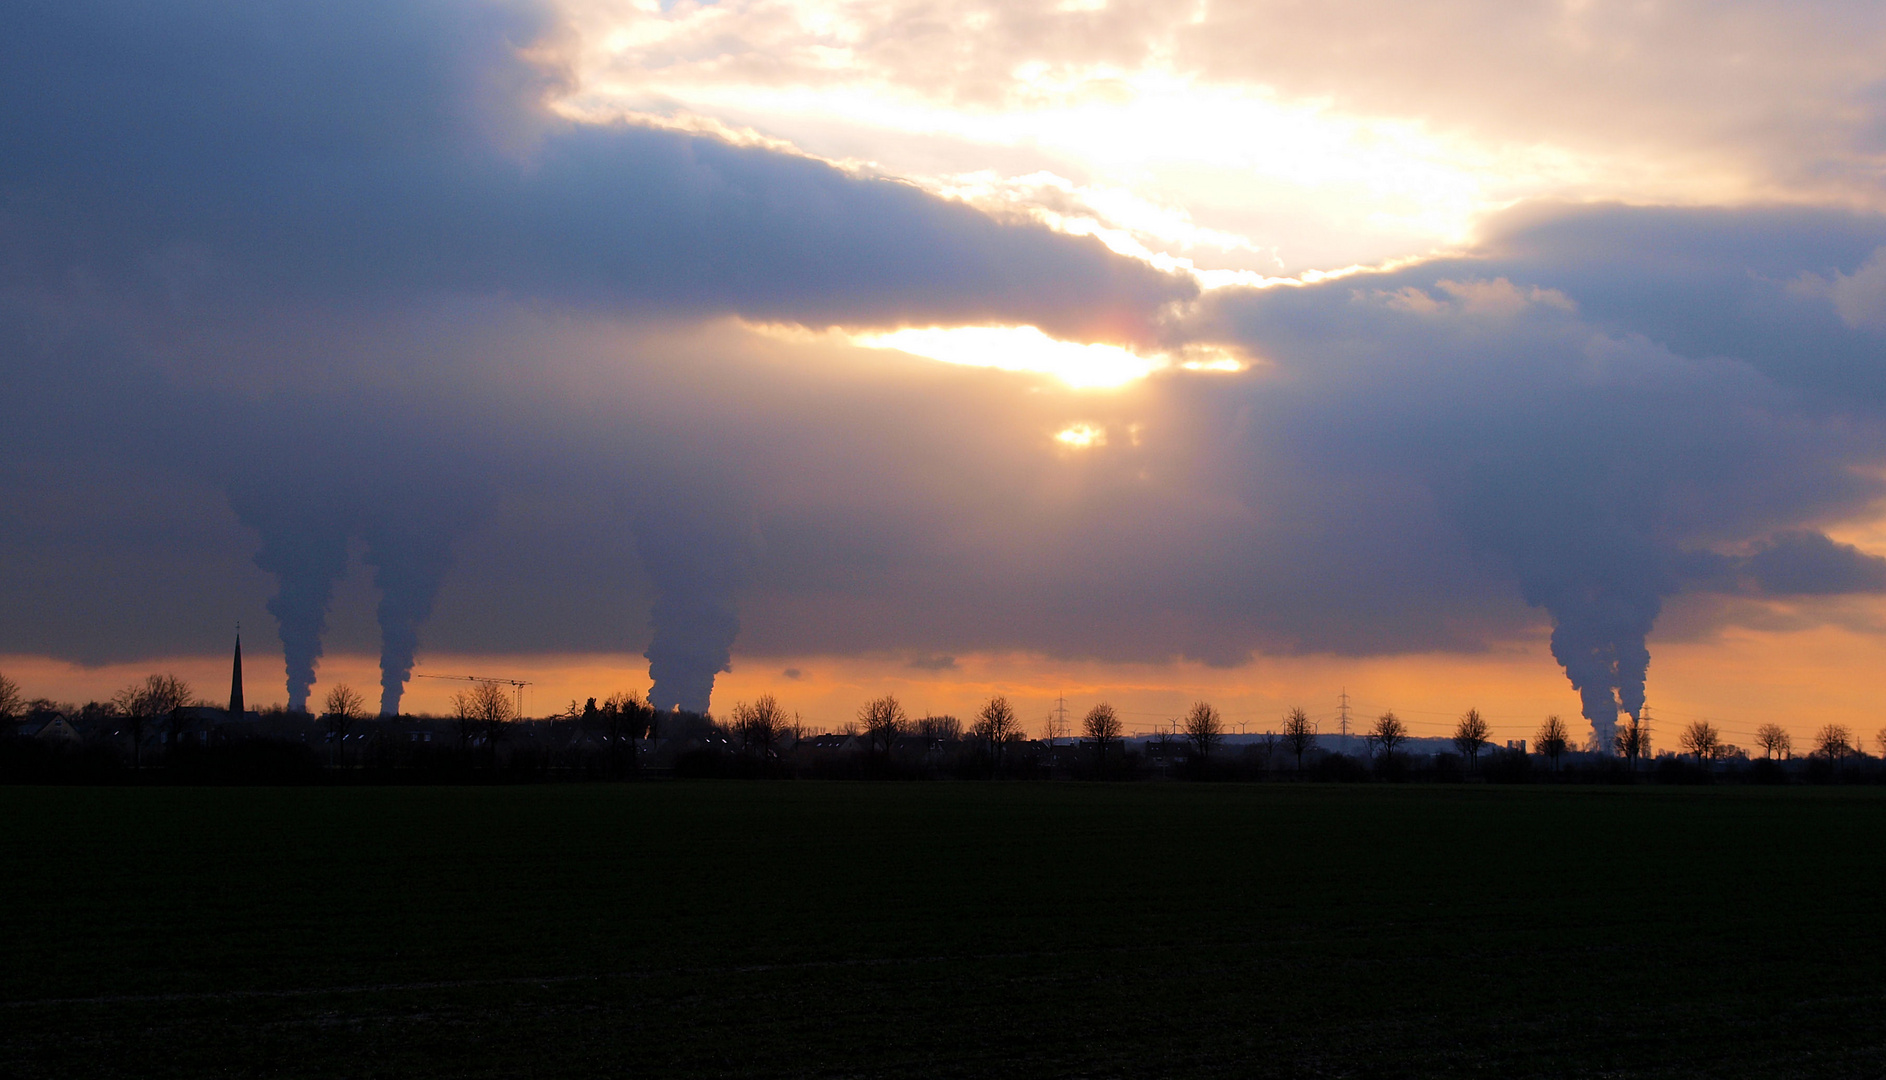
{"x": 307, "y": 554}
{"x": 1599, "y": 637}
{"x": 408, "y": 568}
{"x": 697, "y": 572}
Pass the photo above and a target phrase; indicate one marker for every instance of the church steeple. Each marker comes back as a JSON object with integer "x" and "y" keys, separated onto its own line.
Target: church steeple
{"x": 235, "y": 679}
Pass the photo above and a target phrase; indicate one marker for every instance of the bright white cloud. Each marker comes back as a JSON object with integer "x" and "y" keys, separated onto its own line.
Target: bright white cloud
{"x": 1180, "y": 134}
{"x": 1021, "y": 348}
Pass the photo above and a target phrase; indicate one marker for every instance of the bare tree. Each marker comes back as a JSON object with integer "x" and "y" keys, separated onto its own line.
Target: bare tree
{"x": 996, "y": 726}
{"x": 342, "y": 707}
{"x": 1388, "y": 733}
{"x": 1879, "y": 739}
{"x": 1054, "y": 728}
{"x": 759, "y": 725}
{"x": 1102, "y": 726}
{"x": 129, "y": 705}
{"x": 1632, "y": 741}
{"x": 1774, "y": 741}
{"x": 1204, "y": 729}
{"x": 1552, "y": 739}
{"x": 1470, "y": 735}
{"x": 1702, "y": 740}
{"x": 937, "y": 730}
{"x": 482, "y": 710}
{"x": 883, "y": 720}
{"x": 170, "y": 696}
{"x": 1833, "y": 742}
{"x": 628, "y": 717}
{"x": 157, "y": 698}
{"x": 1299, "y": 734}
{"x": 10, "y": 700}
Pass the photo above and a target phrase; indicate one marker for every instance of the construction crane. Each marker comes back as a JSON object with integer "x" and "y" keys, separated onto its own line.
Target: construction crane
{"x": 519, "y": 684}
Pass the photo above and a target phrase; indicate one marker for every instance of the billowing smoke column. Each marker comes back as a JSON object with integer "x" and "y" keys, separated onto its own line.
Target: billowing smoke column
{"x": 307, "y": 512}
{"x": 306, "y": 551}
{"x": 1577, "y": 521}
{"x": 1598, "y": 636}
{"x": 692, "y": 643}
{"x": 1603, "y": 580}
{"x": 1604, "y": 606}
{"x": 698, "y": 571}
{"x": 408, "y": 568}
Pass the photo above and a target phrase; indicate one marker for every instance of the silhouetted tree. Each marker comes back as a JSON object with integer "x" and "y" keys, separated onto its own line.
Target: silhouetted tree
{"x": 629, "y": 718}
{"x": 343, "y": 706}
{"x": 1879, "y": 740}
{"x": 131, "y": 713}
{"x": 1702, "y": 740}
{"x": 1388, "y": 733}
{"x": 1632, "y": 741}
{"x": 10, "y": 700}
{"x": 157, "y": 698}
{"x": 1204, "y": 729}
{"x": 759, "y": 725}
{"x": 937, "y": 730}
{"x": 883, "y": 721}
{"x": 483, "y": 710}
{"x": 1470, "y": 735}
{"x": 1552, "y": 739}
{"x": 996, "y": 726}
{"x": 1268, "y": 748}
{"x": 1054, "y": 728}
{"x": 1833, "y": 742}
{"x": 1102, "y": 726}
{"x": 1773, "y": 740}
{"x": 1299, "y": 734}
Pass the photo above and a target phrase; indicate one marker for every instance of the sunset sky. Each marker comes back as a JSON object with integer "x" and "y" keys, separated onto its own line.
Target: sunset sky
{"x": 1451, "y": 355}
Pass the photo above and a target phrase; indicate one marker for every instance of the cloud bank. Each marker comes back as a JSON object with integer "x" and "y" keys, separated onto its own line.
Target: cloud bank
{"x": 218, "y": 184}
{"x": 283, "y": 290}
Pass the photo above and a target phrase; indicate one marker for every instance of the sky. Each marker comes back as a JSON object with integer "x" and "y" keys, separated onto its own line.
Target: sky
{"x": 1518, "y": 356}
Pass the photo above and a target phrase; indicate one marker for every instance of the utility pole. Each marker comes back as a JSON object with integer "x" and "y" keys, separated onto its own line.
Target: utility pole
{"x": 1342, "y": 717}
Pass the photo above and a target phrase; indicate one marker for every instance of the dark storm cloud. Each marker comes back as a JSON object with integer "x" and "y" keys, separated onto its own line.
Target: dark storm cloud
{"x": 1810, "y": 564}
{"x": 1761, "y": 285}
{"x": 290, "y": 285}
{"x": 1598, "y": 402}
{"x": 219, "y": 192}
{"x": 396, "y": 151}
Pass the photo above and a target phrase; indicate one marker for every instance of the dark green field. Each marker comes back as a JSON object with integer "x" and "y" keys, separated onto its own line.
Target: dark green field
{"x": 943, "y": 929}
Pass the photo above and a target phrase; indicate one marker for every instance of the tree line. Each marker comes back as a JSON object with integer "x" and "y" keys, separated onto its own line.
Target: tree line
{"x": 621, "y": 735}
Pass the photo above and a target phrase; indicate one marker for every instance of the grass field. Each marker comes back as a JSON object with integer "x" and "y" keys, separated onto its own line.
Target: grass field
{"x": 973, "y": 930}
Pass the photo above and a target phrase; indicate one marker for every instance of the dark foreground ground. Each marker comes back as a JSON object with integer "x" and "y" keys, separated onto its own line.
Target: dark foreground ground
{"x": 969, "y": 930}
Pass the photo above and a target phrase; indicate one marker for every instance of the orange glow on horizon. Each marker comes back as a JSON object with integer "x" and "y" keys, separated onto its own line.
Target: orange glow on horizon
{"x": 1737, "y": 681}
